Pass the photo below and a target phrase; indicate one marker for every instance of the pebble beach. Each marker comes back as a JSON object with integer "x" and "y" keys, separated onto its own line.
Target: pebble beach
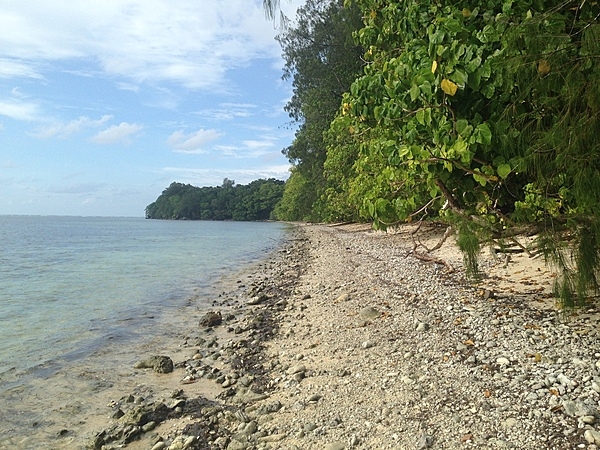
{"x": 343, "y": 339}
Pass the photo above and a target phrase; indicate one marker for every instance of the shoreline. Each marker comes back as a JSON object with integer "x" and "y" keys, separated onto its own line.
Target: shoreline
{"x": 65, "y": 406}
{"x": 342, "y": 341}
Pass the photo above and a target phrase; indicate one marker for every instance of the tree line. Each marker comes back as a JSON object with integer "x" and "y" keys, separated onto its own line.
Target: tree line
{"x": 484, "y": 116}
{"x": 254, "y": 201}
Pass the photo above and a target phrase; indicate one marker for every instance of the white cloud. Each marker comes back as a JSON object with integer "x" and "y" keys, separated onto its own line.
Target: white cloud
{"x": 19, "y": 110}
{"x": 193, "y": 142}
{"x": 228, "y": 111}
{"x": 251, "y": 148}
{"x": 10, "y": 68}
{"x": 117, "y": 133}
{"x": 64, "y": 130}
{"x": 256, "y": 145}
{"x": 188, "y": 42}
{"x": 214, "y": 177}
{"x": 128, "y": 87}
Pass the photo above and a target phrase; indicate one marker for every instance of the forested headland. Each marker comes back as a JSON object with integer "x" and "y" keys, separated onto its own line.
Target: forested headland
{"x": 254, "y": 201}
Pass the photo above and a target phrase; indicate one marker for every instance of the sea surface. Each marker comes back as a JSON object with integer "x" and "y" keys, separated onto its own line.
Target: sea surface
{"x": 75, "y": 287}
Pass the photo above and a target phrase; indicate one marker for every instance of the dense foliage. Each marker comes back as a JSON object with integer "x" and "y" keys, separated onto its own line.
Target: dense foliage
{"x": 482, "y": 115}
{"x": 254, "y": 201}
{"x": 322, "y": 59}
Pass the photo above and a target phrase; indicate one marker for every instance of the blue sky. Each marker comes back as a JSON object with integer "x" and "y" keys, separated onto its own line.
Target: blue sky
{"x": 104, "y": 103}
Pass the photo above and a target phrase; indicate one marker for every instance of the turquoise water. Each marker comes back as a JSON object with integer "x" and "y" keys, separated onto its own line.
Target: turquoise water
{"x": 70, "y": 285}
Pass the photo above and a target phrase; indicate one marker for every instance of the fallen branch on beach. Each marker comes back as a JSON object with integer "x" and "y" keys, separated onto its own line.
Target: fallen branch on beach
{"x": 428, "y": 258}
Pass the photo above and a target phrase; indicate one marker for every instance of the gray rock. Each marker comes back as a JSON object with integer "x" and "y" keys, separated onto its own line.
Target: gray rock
{"x": 369, "y": 313}
{"x": 149, "y": 426}
{"x": 563, "y": 380}
{"x": 579, "y": 409}
{"x": 422, "y": 326}
{"x": 343, "y": 298}
{"x": 211, "y": 319}
{"x": 314, "y": 398}
{"x": 367, "y": 344}
{"x": 503, "y": 361}
{"x": 177, "y": 403}
{"x": 335, "y": 446}
{"x": 272, "y": 438}
{"x": 592, "y": 436}
{"x": 310, "y": 426}
{"x": 250, "y": 428}
{"x": 237, "y": 445}
{"x": 590, "y": 420}
{"x": 258, "y": 299}
{"x": 425, "y": 441}
{"x": 191, "y": 440}
{"x": 298, "y": 368}
{"x": 160, "y": 364}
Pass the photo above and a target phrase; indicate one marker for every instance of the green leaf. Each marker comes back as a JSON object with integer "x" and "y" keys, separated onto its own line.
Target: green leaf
{"x": 403, "y": 150}
{"x": 437, "y": 37}
{"x": 426, "y": 88}
{"x": 462, "y": 127}
{"x": 473, "y": 65}
{"x": 488, "y": 34}
{"x": 460, "y": 147}
{"x": 488, "y": 90}
{"x": 414, "y": 92}
{"x": 474, "y": 80}
{"x": 459, "y": 77}
{"x": 483, "y": 134}
{"x": 480, "y": 178}
{"x": 503, "y": 171}
{"x": 498, "y": 160}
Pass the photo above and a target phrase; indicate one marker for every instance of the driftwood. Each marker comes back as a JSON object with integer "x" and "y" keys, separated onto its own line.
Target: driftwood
{"x": 433, "y": 259}
{"x": 425, "y": 256}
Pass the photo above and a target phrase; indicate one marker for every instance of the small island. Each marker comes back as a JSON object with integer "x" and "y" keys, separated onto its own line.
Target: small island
{"x": 230, "y": 201}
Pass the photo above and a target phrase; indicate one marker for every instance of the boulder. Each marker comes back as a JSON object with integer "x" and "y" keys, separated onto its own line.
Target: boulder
{"x": 160, "y": 364}
{"x": 211, "y": 319}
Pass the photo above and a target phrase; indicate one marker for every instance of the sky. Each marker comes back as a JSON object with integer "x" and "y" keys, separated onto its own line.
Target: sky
{"x": 105, "y": 103}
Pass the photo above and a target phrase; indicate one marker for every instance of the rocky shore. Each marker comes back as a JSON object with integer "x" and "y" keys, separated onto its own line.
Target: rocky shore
{"x": 343, "y": 340}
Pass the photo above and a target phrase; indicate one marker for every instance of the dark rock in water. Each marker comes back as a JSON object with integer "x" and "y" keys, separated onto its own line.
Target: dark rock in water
{"x": 211, "y": 319}
{"x": 160, "y": 364}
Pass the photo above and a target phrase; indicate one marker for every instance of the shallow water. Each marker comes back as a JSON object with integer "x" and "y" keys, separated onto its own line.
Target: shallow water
{"x": 79, "y": 295}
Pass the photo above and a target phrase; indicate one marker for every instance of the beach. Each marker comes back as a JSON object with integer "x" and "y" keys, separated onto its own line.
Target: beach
{"x": 343, "y": 339}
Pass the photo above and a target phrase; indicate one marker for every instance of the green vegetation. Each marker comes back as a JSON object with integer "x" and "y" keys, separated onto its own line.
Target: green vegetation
{"x": 483, "y": 116}
{"x": 322, "y": 59}
{"x": 254, "y": 201}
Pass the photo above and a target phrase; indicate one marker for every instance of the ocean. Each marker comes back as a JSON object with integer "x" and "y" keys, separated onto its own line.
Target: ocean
{"x": 74, "y": 288}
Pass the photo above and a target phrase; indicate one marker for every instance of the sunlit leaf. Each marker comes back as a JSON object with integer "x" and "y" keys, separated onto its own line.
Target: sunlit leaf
{"x": 503, "y": 171}
{"x": 461, "y": 127}
{"x": 414, "y": 92}
{"x": 449, "y": 87}
{"x": 543, "y": 67}
{"x": 434, "y": 67}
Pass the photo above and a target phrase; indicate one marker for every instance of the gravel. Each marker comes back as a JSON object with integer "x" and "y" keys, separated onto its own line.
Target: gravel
{"x": 355, "y": 344}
